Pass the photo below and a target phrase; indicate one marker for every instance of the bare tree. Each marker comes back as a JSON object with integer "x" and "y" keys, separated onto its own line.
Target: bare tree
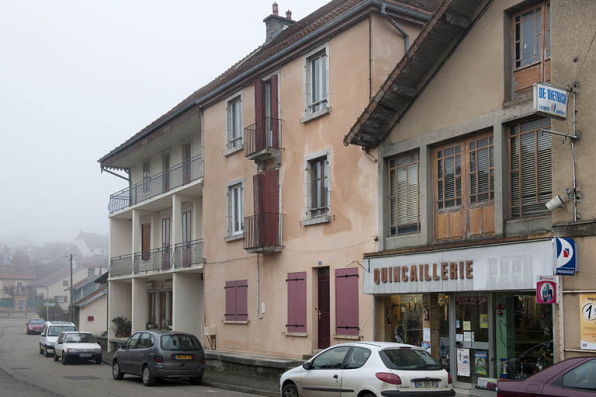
{"x": 12, "y": 290}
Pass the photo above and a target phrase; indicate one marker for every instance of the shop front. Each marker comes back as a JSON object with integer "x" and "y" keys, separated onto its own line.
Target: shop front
{"x": 473, "y": 309}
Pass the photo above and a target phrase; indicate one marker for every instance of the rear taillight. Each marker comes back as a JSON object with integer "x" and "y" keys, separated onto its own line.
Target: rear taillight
{"x": 158, "y": 358}
{"x": 449, "y": 379}
{"x": 499, "y": 393}
{"x": 388, "y": 378}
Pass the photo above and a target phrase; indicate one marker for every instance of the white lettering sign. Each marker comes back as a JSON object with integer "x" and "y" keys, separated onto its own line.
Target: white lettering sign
{"x": 550, "y": 101}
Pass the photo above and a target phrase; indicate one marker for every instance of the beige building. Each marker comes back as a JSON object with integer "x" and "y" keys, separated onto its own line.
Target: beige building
{"x": 466, "y": 167}
{"x": 91, "y": 312}
{"x": 246, "y": 219}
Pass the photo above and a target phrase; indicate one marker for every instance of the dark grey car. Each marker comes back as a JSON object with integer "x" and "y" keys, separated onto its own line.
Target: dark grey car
{"x": 159, "y": 354}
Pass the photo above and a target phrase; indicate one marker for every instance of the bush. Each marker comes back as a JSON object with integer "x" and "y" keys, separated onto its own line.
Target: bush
{"x": 122, "y": 326}
{"x": 53, "y": 313}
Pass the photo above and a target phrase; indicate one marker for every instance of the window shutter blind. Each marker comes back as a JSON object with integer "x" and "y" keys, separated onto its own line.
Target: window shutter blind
{"x": 274, "y": 113}
{"x": 412, "y": 193}
{"x": 241, "y": 300}
{"x": 296, "y": 302}
{"x": 271, "y": 205}
{"x": 231, "y": 304}
{"x": 346, "y": 302}
{"x": 259, "y": 116}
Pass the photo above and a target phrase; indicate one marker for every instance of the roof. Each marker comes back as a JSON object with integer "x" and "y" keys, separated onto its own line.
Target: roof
{"x": 93, "y": 240}
{"x": 94, "y": 261}
{"x": 300, "y": 30}
{"x": 431, "y": 49}
{"x": 18, "y": 268}
{"x": 92, "y": 297}
{"x": 84, "y": 282}
{"x": 60, "y": 250}
{"x": 53, "y": 277}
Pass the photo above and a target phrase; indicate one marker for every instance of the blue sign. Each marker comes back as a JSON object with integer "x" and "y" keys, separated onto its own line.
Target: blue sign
{"x": 566, "y": 257}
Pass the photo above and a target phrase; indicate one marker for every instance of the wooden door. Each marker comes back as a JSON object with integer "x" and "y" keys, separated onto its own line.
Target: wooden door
{"x": 162, "y": 309}
{"x": 324, "y": 324}
{"x": 146, "y": 241}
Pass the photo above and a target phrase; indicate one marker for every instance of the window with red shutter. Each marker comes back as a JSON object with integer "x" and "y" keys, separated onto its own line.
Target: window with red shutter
{"x": 230, "y": 301}
{"x": 346, "y": 302}
{"x": 296, "y": 302}
{"x": 236, "y": 300}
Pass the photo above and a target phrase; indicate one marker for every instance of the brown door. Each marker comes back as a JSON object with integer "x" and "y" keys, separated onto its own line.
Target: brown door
{"x": 146, "y": 241}
{"x": 324, "y": 325}
{"x": 162, "y": 309}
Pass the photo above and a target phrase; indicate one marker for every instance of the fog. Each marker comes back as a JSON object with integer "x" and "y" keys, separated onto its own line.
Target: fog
{"x": 78, "y": 78}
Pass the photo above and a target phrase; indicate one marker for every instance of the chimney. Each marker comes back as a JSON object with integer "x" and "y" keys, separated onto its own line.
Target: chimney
{"x": 275, "y": 23}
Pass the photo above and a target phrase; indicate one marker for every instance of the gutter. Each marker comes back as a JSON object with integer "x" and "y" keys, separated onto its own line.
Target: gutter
{"x": 396, "y": 26}
{"x": 197, "y": 102}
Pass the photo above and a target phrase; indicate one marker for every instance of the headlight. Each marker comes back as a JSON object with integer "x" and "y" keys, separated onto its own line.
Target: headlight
{"x": 71, "y": 350}
{"x": 97, "y": 351}
{"x": 50, "y": 343}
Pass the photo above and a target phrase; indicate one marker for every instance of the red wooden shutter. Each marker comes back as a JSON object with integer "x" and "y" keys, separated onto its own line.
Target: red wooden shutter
{"x": 274, "y": 113}
{"x": 231, "y": 305}
{"x": 241, "y": 300}
{"x": 259, "y": 116}
{"x": 258, "y": 186}
{"x": 346, "y": 302}
{"x": 296, "y": 302}
{"x": 271, "y": 207}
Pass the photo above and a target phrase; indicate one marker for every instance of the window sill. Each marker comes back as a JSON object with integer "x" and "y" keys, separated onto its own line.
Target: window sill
{"x": 233, "y": 150}
{"x": 236, "y": 322}
{"x": 316, "y": 220}
{"x": 311, "y": 116}
{"x": 298, "y": 334}
{"x": 234, "y": 237}
{"x": 348, "y": 337}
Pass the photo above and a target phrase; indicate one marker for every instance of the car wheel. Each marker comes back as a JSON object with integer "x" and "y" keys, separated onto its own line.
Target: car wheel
{"x": 289, "y": 390}
{"x": 98, "y": 361}
{"x": 55, "y": 357}
{"x": 148, "y": 378}
{"x": 45, "y": 352}
{"x": 40, "y": 350}
{"x": 64, "y": 361}
{"x": 116, "y": 374}
{"x": 196, "y": 380}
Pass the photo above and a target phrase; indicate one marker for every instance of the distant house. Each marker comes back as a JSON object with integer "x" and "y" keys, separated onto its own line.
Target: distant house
{"x": 56, "y": 285}
{"x": 91, "y": 311}
{"x": 91, "y": 244}
{"x": 16, "y": 274}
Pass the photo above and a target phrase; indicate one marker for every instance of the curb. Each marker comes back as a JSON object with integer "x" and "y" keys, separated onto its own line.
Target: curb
{"x": 242, "y": 389}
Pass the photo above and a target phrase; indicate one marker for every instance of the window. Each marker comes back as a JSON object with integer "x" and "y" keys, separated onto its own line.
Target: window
{"x": 482, "y": 172}
{"x": 146, "y": 177}
{"x": 319, "y": 190}
{"x": 65, "y": 283}
{"x": 267, "y": 125}
{"x": 346, "y": 302}
{"x": 236, "y": 297}
{"x": 582, "y": 377}
{"x": 357, "y": 357}
{"x": 530, "y": 168}
{"x": 186, "y": 161}
{"x": 296, "y": 302}
{"x": 235, "y": 210}
{"x": 316, "y": 89}
{"x": 146, "y": 241}
{"x": 61, "y": 298}
{"x": 531, "y": 45}
{"x": 90, "y": 272}
{"x": 331, "y": 359}
{"x": 449, "y": 177}
{"x": 166, "y": 172}
{"x": 403, "y": 194}
{"x": 131, "y": 343}
{"x": 234, "y": 124}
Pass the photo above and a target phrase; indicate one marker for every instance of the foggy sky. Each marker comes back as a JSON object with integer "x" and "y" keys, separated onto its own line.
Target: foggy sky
{"x": 78, "y": 78}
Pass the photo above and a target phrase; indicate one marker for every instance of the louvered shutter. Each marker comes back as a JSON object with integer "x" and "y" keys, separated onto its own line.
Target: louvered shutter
{"x": 259, "y": 116}
{"x": 274, "y": 113}
{"x": 258, "y": 181}
{"x": 271, "y": 204}
{"x": 346, "y": 302}
{"x": 231, "y": 305}
{"x": 241, "y": 300}
{"x": 296, "y": 302}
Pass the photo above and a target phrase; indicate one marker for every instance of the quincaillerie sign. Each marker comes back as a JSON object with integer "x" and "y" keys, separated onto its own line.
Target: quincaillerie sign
{"x": 424, "y": 272}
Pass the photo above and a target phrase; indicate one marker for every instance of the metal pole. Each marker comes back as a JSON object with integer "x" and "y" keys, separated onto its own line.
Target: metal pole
{"x": 573, "y": 159}
{"x": 71, "y": 302}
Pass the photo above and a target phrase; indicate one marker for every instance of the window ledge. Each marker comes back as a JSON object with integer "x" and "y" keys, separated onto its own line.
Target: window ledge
{"x": 311, "y": 116}
{"x": 234, "y": 237}
{"x": 236, "y": 322}
{"x": 233, "y": 150}
{"x": 349, "y": 337}
{"x": 298, "y": 334}
{"x": 316, "y": 220}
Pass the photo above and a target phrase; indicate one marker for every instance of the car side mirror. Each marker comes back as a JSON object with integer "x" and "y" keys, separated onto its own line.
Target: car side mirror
{"x": 307, "y": 365}
{"x": 43, "y": 335}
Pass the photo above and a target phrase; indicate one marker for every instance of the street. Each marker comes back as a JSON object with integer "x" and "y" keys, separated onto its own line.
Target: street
{"x": 26, "y": 373}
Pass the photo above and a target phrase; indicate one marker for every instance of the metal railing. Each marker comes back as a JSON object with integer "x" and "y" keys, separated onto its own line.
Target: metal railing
{"x": 261, "y": 135}
{"x": 188, "y": 254}
{"x": 152, "y": 260}
{"x": 176, "y": 176}
{"x": 263, "y": 230}
{"x": 121, "y": 265}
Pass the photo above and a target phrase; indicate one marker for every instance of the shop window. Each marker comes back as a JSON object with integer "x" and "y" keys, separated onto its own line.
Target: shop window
{"x": 530, "y": 168}
{"x": 403, "y": 194}
{"x": 236, "y": 300}
{"x": 296, "y": 302}
{"x": 346, "y": 302}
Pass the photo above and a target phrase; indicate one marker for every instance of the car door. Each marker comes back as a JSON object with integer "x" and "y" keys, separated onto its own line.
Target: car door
{"x": 323, "y": 375}
{"x": 354, "y": 375}
{"x": 59, "y": 346}
{"x": 137, "y": 354}
{"x": 125, "y": 357}
{"x": 576, "y": 382}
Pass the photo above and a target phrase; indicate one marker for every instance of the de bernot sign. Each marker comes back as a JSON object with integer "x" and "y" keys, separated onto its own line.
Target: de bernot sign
{"x": 550, "y": 101}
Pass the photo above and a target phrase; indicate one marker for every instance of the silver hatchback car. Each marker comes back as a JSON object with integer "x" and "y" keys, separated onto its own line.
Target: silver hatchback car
{"x": 159, "y": 354}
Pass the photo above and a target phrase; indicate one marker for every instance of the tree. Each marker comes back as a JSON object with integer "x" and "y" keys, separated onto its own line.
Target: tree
{"x": 12, "y": 290}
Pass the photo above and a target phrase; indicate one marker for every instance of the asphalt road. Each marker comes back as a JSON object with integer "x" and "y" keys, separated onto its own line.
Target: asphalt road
{"x": 26, "y": 373}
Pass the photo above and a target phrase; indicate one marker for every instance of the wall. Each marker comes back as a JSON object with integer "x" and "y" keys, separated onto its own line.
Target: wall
{"x": 97, "y": 309}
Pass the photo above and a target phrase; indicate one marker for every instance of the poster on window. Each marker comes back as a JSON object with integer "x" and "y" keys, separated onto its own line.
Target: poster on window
{"x": 480, "y": 363}
{"x": 463, "y": 362}
{"x": 587, "y": 321}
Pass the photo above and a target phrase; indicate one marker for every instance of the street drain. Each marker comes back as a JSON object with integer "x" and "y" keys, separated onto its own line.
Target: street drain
{"x": 81, "y": 377}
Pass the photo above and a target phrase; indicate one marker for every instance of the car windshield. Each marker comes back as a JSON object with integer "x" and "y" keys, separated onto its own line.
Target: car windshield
{"x": 79, "y": 338}
{"x": 36, "y": 322}
{"x": 409, "y": 360}
{"x": 180, "y": 342}
{"x": 56, "y": 330}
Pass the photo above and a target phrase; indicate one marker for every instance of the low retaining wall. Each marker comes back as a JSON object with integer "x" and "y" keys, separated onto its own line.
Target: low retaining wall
{"x": 246, "y": 364}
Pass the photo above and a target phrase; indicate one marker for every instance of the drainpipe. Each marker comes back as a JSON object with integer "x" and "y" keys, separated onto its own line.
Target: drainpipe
{"x": 396, "y": 26}
{"x": 259, "y": 316}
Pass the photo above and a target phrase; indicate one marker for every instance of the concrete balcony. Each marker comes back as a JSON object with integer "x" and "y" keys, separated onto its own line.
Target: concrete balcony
{"x": 263, "y": 233}
{"x": 262, "y": 140}
{"x": 121, "y": 266}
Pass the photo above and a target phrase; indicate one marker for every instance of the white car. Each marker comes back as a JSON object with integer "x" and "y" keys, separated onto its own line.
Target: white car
{"x": 49, "y": 334}
{"x": 368, "y": 369}
{"x": 77, "y": 346}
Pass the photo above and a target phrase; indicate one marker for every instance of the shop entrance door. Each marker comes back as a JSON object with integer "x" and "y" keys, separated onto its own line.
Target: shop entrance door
{"x": 473, "y": 339}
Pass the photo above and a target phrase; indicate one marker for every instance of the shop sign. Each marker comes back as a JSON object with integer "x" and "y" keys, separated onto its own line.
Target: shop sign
{"x": 587, "y": 321}
{"x": 546, "y": 289}
{"x": 566, "y": 256}
{"x": 424, "y": 272}
{"x": 550, "y": 101}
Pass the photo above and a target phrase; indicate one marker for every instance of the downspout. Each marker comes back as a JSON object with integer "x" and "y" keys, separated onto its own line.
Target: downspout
{"x": 396, "y": 26}
{"x": 259, "y": 316}
{"x": 369, "y": 59}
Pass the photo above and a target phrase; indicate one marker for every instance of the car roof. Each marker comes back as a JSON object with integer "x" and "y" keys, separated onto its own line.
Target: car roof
{"x": 76, "y": 332}
{"x": 58, "y": 323}
{"x": 158, "y": 332}
{"x": 380, "y": 345}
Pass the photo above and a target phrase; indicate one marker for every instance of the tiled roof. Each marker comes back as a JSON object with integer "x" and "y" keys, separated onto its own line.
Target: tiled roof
{"x": 54, "y": 277}
{"x": 94, "y": 240}
{"x": 94, "y": 261}
{"x": 18, "y": 268}
{"x": 289, "y": 36}
{"x": 91, "y": 297}
{"x": 83, "y": 282}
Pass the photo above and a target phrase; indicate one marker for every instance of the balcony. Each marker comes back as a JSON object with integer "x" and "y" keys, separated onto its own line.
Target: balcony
{"x": 172, "y": 178}
{"x": 188, "y": 254}
{"x": 263, "y": 233}
{"x": 121, "y": 266}
{"x": 262, "y": 140}
{"x": 157, "y": 259}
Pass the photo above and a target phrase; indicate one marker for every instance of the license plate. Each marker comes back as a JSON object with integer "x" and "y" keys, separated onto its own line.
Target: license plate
{"x": 85, "y": 355}
{"x": 182, "y": 357}
{"x": 426, "y": 384}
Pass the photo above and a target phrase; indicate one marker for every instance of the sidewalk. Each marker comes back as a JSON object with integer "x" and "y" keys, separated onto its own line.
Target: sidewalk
{"x": 234, "y": 381}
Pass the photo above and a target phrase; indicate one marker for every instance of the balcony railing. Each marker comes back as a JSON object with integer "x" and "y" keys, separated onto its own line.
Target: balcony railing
{"x": 188, "y": 254}
{"x": 264, "y": 134}
{"x": 263, "y": 232}
{"x": 179, "y": 175}
{"x": 153, "y": 260}
{"x": 121, "y": 265}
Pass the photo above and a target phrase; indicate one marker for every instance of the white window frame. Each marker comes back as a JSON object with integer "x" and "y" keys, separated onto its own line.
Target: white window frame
{"x": 309, "y": 113}
{"x": 230, "y": 139}
{"x": 310, "y": 217}
{"x": 230, "y": 187}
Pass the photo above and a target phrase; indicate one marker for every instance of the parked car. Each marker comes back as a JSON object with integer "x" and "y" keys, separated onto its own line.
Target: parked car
{"x": 160, "y": 354}
{"x": 369, "y": 369}
{"x": 574, "y": 377}
{"x": 34, "y": 326}
{"x": 77, "y": 346}
{"x": 50, "y": 333}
